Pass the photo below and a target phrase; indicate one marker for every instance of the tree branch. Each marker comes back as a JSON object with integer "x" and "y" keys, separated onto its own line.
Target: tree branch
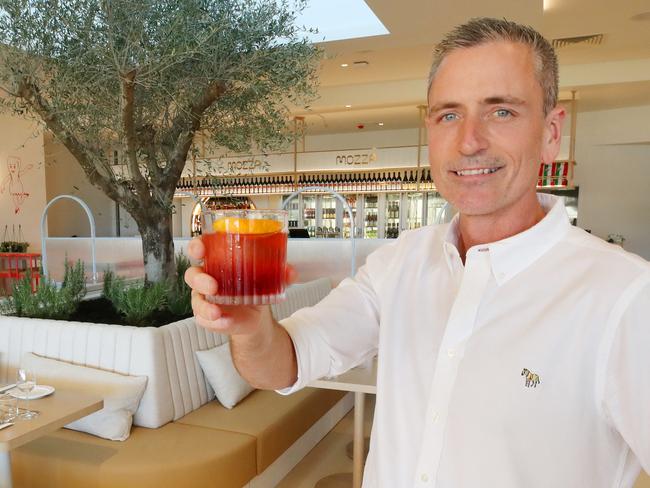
{"x": 106, "y": 181}
{"x": 183, "y": 129}
{"x": 147, "y": 143}
{"x": 128, "y": 123}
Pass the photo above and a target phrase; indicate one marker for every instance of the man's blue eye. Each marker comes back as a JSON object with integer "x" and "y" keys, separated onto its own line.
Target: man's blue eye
{"x": 448, "y": 117}
{"x": 502, "y": 112}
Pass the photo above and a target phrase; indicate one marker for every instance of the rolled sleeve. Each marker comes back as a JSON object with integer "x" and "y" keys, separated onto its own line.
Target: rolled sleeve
{"x": 342, "y": 330}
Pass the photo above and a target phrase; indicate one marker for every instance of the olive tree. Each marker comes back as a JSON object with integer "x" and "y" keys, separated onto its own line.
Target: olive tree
{"x": 146, "y": 77}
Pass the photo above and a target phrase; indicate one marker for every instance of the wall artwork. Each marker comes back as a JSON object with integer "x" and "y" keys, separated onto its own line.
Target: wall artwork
{"x": 13, "y": 183}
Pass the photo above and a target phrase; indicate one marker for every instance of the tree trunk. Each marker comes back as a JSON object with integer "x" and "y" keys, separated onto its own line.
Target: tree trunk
{"x": 157, "y": 245}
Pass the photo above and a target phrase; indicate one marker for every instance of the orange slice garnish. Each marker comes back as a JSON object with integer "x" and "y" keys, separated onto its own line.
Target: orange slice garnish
{"x": 234, "y": 225}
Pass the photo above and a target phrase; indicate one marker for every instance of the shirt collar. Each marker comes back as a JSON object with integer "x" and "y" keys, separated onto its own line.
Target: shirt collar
{"x": 512, "y": 255}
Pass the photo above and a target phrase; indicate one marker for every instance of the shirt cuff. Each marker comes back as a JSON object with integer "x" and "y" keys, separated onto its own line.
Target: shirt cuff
{"x": 313, "y": 362}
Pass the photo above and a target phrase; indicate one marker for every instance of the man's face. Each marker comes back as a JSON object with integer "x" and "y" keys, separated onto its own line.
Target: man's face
{"x": 486, "y": 128}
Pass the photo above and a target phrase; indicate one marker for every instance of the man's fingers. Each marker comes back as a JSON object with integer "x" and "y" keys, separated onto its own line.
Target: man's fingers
{"x": 204, "y": 309}
{"x": 221, "y": 325}
{"x": 290, "y": 275}
{"x": 196, "y": 249}
{"x": 200, "y": 281}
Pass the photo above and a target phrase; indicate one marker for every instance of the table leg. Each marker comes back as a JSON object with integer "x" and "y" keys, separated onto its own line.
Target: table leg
{"x": 357, "y": 456}
{"x": 5, "y": 469}
{"x": 342, "y": 480}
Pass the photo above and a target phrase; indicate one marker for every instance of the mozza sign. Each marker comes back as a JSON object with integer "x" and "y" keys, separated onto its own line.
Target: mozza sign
{"x": 357, "y": 159}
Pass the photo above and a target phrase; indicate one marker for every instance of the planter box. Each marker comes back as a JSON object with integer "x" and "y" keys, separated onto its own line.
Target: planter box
{"x": 176, "y": 385}
{"x": 117, "y": 348}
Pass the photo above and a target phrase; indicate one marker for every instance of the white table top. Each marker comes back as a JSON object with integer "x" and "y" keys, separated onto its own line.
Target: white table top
{"x": 359, "y": 379}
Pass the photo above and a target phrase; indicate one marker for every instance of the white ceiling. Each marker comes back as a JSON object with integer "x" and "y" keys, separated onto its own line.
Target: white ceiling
{"x": 392, "y": 85}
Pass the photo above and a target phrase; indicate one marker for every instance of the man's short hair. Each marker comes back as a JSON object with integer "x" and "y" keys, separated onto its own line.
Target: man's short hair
{"x": 483, "y": 29}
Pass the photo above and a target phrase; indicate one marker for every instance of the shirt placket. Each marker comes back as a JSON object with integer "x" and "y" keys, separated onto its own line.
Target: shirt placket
{"x": 459, "y": 328}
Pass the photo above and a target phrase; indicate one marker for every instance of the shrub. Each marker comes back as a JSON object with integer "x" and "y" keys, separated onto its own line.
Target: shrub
{"x": 137, "y": 303}
{"x": 48, "y": 301}
{"x": 179, "y": 295}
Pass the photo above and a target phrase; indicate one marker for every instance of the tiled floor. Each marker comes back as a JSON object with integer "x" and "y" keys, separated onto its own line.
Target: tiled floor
{"x": 328, "y": 457}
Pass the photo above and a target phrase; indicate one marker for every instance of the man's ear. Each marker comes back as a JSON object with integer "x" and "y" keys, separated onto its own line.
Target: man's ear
{"x": 552, "y": 140}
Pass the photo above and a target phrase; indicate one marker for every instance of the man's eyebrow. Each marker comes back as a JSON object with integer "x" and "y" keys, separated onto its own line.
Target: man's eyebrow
{"x": 496, "y": 100}
{"x": 443, "y": 106}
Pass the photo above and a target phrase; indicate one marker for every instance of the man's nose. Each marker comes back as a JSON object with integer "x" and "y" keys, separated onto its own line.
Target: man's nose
{"x": 472, "y": 138}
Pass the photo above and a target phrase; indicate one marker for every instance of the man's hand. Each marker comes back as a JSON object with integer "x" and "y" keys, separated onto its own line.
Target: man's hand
{"x": 225, "y": 319}
{"x": 261, "y": 348}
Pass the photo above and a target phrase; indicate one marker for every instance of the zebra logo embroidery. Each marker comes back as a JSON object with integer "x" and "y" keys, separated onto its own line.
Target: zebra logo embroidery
{"x": 532, "y": 379}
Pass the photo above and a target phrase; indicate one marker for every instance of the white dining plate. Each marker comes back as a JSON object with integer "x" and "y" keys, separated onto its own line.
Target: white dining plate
{"x": 39, "y": 391}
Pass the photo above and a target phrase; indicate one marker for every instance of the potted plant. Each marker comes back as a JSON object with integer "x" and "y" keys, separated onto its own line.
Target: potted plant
{"x": 120, "y": 303}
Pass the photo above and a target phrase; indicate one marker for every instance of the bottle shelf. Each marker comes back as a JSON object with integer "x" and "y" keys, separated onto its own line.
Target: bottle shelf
{"x": 557, "y": 175}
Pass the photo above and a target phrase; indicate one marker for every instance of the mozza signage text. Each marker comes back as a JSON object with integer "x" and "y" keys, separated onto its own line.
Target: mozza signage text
{"x": 362, "y": 159}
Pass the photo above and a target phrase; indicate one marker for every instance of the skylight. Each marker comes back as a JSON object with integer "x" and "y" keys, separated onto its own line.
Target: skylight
{"x": 340, "y": 19}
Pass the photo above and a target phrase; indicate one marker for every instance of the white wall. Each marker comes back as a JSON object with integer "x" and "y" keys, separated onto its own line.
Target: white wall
{"x": 64, "y": 176}
{"x": 362, "y": 139}
{"x": 613, "y": 172}
{"x": 22, "y": 179}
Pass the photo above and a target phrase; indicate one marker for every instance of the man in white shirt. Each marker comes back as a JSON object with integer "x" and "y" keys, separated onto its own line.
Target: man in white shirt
{"x": 514, "y": 349}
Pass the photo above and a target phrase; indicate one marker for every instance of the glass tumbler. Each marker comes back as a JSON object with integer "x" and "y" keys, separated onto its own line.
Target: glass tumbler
{"x": 246, "y": 252}
{"x": 8, "y": 407}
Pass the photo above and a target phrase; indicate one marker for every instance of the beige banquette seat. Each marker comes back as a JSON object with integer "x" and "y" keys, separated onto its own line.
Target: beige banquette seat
{"x": 182, "y": 436}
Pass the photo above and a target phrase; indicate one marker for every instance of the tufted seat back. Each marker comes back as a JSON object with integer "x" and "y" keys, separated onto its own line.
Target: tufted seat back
{"x": 189, "y": 388}
{"x": 136, "y": 351}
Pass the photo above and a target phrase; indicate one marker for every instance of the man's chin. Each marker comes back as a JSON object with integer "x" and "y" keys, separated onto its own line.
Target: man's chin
{"x": 473, "y": 207}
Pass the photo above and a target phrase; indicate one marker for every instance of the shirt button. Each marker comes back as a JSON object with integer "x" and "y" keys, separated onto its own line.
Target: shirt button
{"x": 434, "y": 416}
{"x": 424, "y": 478}
{"x": 451, "y": 353}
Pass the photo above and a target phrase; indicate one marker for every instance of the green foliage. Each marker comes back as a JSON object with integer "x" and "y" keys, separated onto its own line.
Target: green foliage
{"x": 13, "y": 246}
{"x": 109, "y": 284}
{"x": 49, "y": 301}
{"x": 245, "y": 60}
{"x": 136, "y": 302}
{"x": 144, "y": 79}
{"x": 179, "y": 295}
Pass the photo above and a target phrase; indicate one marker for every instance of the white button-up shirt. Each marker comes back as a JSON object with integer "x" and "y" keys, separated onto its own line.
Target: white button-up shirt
{"x": 528, "y": 366}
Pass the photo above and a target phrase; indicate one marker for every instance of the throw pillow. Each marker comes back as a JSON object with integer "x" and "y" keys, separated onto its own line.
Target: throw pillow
{"x": 121, "y": 394}
{"x": 229, "y": 387}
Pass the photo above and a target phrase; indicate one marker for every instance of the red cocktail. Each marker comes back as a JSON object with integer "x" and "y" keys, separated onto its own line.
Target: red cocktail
{"x": 246, "y": 252}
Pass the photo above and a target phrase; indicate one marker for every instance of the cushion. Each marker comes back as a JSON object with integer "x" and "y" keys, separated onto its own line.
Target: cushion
{"x": 228, "y": 385}
{"x": 171, "y": 456}
{"x": 121, "y": 394}
{"x": 276, "y": 421}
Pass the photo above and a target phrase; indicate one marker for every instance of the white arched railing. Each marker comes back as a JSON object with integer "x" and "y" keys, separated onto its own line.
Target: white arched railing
{"x": 44, "y": 236}
{"x": 346, "y": 207}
